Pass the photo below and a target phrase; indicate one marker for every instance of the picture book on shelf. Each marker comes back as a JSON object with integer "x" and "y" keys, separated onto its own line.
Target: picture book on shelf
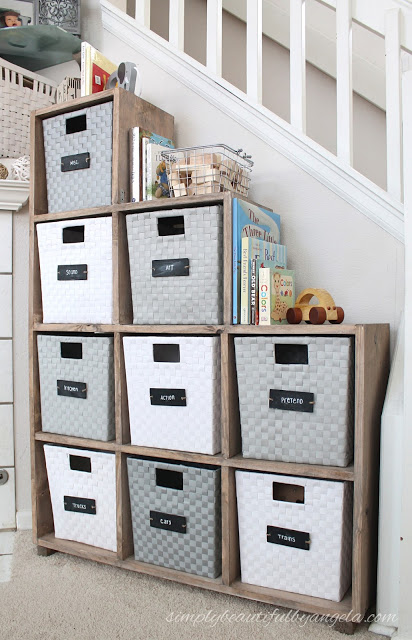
{"x": 276, "y": 294}
{"x": 95, "y": 70}
{"x": 260, "y": 250}
{"x": 252, "y": 221}
{"x": 140, "y": 139}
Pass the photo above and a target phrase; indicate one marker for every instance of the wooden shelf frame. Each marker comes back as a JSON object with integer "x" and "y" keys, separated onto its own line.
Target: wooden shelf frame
{"x": 371, "y": 344}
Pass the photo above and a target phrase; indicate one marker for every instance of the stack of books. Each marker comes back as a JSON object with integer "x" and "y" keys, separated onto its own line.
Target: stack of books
{"x": 148, "y": 175}
{"x": 263, "y": 287}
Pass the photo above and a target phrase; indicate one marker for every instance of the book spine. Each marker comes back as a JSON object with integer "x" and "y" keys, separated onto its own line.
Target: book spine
{"x": 134, "y": 143}
{"x": 244, "y": 290}
{"x": 253, "y": 291}
{"x": 144, "y": 164}
{"x": 264, "y": 296}
{"x": 235, "y": 315}
{"x": 148, "y": 179}
{"x": 83, "y": 69}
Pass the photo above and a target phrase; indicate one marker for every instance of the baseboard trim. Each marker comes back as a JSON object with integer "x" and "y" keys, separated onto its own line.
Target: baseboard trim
{"x": 24, "y": 520}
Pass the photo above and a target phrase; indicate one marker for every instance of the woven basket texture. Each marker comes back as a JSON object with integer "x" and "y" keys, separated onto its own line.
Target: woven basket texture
{"x": 194, "y": 427}
{"x": 322, "y": 571}
{"x": 91, "y": 187}
{"x": 86, "y": 301}
{"x": 21, "y": 92}
{"x": 99, "y": 529}
{"x": 193, "y": 299}
{"x": 199, "y": 549}
{"x": 92, "y": 417}
{"x": 322, "y": 437}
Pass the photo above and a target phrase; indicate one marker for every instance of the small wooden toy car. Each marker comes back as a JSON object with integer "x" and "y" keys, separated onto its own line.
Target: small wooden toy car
{"x": 315, "y": 313}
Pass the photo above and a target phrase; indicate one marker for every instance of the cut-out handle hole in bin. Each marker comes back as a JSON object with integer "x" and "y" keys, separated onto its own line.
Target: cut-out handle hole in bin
{"x": 166, "y": 353}
{"x": 71, "y": 350}
{"x": 80, "y": 463}
{"x": 73, "y": 235}
{"x": 283, "y": 492}
{"x": 291, "y": 354}
{"x": 169, "y": 479}
{"x": 76, "y": 124}
{"x": 171, "y": 226}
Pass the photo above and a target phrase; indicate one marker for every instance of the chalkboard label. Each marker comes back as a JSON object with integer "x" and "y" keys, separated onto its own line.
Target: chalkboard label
{"x": 168, "y": 521}
{"x": 288, "y": 537}
{"x": 72, "y": 272}
{"x": 80, "y": 505}
{"x": 76, "y": 162}
{"x": 168, "y": 397}
{"x": 170, "y": 268}
{"x": 72, "y": 389}
{"x": 291, "y": 400}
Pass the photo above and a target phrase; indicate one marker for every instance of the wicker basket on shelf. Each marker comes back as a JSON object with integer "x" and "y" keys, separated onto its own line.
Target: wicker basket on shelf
{"x": 213, "y": 168}
{"x": 21, "y": 92}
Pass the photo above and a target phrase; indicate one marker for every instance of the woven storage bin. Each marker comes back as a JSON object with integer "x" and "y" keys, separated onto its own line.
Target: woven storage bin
{"x": 196, "y": 298}
{"x": 295, "y": 434}
{"x": 176, "y": 515}
{"x": 321, "y": 568}
{"x": 76, "y": 245}
{"x": 85, "y": 365}
{"x": 156, "y": 382}
{"x": 83, "y": 494}
{"x": 88, "y": 182}
{"x": 20, "y": 93}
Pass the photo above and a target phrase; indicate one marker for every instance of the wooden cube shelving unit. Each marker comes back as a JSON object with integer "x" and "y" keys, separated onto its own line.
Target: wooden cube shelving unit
{"x": 371, "y": 345}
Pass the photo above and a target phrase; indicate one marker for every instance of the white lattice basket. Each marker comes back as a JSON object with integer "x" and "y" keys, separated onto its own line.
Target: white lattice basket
{"x": 21, "y": 92}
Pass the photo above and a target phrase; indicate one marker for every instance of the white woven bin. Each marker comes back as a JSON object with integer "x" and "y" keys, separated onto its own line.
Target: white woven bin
{"x": 323, "y": 569}
{"x": 87, "y": 300}
{"x": 195, "y": 426}
{"x": 84, "y": 481}
{"x": 21, "y": 92}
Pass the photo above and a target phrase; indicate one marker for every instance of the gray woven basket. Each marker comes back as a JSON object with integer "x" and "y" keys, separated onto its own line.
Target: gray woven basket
{"x": 68, "y": 190}
{"x": 192, "y": 540}
{"x": 295, "y": 434}
{"x": 92, "y": 414}
{"x": 193, "y": 299}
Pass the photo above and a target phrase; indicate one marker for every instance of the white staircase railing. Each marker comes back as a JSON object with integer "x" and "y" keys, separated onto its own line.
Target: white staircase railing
{"x": 391, "y": 19}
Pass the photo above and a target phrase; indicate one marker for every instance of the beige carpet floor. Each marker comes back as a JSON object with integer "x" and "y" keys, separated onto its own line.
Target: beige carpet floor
{"x": 65, "y": 598}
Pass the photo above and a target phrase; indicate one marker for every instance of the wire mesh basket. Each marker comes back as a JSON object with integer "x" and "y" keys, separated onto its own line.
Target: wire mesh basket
{"x": 196, "y": 171}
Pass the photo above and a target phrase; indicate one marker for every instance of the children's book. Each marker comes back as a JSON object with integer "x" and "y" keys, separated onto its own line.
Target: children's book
{"x": 250, "y": 221}
{"x": 139, "y": 141}
{"x": 157, "y": 183}
{"x": 260, "y": 250}
{"x": 96, "y": 69}
{"x": 276, "y": 294}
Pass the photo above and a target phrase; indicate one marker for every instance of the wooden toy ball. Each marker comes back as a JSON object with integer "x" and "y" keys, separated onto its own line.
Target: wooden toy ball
{"x": 315, "y": 313}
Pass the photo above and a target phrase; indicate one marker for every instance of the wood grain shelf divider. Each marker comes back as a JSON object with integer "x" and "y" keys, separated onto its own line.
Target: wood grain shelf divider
{"x": 371, "y": 372}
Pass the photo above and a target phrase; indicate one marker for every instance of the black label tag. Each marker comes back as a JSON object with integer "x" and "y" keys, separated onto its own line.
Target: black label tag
{"x": 72, "y": 272}
{"x": 72, "y": 389}
{"x": 291, "y": 400}
{"x": 73, "y": 163}
{"x": 288, "y": 537}
{"x": 167, "y": 521}
{"x": 168, "y": 397}
{"x": 80, "y": 505}
{"x": 169, "y": 268}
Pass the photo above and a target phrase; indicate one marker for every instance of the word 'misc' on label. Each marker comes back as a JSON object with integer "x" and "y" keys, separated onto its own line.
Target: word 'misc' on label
{"x": 75, "y": 162}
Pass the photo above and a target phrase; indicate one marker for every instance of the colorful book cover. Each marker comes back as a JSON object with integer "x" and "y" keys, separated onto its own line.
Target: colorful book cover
{"x": 95, "y": 70}
{"x": 141, "y": 138}
{"x": 257, "y": 249}
{"x": 157, "y": 183}
{"x": 255, "y": 222}
{"x": 276, "y": 294}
